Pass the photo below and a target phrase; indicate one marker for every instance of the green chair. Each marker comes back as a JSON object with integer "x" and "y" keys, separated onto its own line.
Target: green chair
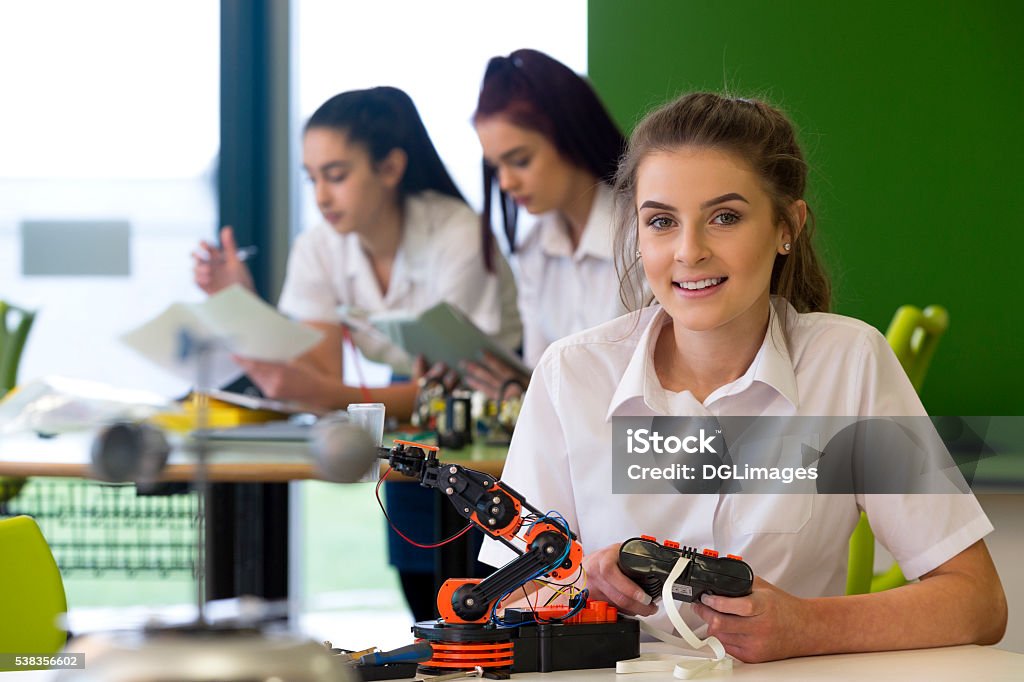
{"x": 15, "y": 324}
{"x": 31, "y": 590}
{"x": 913, "y": 335}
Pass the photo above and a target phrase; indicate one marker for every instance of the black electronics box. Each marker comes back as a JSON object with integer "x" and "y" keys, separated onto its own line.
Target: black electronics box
{"x": 547, "y": 647}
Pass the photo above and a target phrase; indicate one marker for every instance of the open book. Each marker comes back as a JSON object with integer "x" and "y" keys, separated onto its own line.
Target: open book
{"x": 233, "y": 322}
{"x": 442, "y": 333}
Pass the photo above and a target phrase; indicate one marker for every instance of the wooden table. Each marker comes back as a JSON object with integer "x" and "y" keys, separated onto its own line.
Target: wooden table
{"x": 229, "y": 461}
{"x": 248, "y": 504}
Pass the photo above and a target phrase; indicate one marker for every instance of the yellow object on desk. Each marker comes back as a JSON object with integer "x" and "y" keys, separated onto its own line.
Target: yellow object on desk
{"x": 219, "y": 415}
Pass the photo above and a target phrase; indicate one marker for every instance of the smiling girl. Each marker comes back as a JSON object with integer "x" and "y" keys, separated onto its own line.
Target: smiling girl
{"x": 397, "y": 236}
{"x": 714, "y": 221}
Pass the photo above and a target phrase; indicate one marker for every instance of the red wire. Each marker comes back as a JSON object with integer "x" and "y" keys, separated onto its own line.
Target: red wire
{"x": 403, "y": 535}
{"x": 367, "y": 398}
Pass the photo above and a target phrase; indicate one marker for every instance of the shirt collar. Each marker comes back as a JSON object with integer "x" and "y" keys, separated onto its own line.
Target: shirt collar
{"x": 357, "y": 265}
{"x": 408, "y": 263}
{"x": 777, "y": 368}
{"x": 640, "y": 393}
{"x": 596, "y": 240}
{"x": 633, "y": 396}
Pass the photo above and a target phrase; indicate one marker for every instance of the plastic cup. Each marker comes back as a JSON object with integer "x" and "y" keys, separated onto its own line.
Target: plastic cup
{"x": 369, "y": 416}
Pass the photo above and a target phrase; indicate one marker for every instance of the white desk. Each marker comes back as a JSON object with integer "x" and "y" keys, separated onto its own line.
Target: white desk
{"x": 952, "y": 664}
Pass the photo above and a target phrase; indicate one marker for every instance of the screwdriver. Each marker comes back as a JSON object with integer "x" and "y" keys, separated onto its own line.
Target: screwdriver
{"x": 411, "y": 653}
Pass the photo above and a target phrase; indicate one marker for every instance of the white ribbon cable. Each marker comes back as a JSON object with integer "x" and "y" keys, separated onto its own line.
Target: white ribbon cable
{"x": 682, "y": 667}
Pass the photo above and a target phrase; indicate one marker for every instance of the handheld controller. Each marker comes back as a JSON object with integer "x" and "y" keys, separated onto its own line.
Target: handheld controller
{"x": 648, "y": 564}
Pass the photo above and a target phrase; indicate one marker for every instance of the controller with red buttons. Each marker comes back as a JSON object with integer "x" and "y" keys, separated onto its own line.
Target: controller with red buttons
{"x": 648, "y": 564}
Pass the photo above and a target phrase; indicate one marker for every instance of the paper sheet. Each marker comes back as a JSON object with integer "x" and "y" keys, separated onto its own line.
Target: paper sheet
{"x": 235, "y": 321}
{"x": 444, "y": 334}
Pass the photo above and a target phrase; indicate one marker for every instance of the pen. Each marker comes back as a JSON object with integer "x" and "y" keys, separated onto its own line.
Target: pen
{"x": 247, "y": 252}
{"x": 244, "y": 254}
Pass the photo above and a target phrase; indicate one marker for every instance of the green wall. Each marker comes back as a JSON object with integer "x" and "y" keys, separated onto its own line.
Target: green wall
{"x": 911, "y": 116}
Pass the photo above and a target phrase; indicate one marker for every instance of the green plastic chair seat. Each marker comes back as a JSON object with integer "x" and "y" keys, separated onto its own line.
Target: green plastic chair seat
{"x": 31, "y": 590}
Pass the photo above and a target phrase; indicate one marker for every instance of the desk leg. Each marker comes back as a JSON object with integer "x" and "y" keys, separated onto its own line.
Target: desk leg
{"x": 247, "y": 540}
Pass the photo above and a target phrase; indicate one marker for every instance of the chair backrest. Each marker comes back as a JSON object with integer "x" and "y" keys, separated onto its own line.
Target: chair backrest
{"x": 913, "y": 335}
{"x": 31, "y": 590}
{"x": 15, "y": 324}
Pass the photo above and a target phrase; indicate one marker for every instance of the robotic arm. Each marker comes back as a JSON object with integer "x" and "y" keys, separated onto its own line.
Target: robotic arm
{"x": 552, "y": 550}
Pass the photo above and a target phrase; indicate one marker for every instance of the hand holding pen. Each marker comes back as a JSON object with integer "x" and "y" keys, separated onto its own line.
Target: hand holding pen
{"x": 218, "y": 268}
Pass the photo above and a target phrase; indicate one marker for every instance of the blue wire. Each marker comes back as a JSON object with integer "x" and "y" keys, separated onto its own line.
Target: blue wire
{"x": 557, "y": 519}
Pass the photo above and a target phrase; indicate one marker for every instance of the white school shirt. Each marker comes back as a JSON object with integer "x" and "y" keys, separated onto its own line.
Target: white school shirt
{"x": 561, "y": 291}
{"x": 828, "y": 365}
{"x": 438, "y": 259}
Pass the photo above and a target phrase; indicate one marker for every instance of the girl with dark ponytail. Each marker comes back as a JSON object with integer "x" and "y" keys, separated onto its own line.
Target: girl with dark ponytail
{"x": 397, "y": 236}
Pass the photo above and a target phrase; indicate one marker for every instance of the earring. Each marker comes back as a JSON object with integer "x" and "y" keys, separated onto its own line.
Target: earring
{"x": 638, "y": 253}
{"x": 787, "y": 246}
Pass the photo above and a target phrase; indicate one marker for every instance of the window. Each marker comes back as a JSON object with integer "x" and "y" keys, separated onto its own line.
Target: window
{"x": 436, "y": 52}
{"x": 110, "y": 118}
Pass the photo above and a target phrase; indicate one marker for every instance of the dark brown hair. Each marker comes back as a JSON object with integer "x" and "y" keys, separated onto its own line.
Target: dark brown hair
{"x": 759, "y": 134}
{"x": 382, "y": 119}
